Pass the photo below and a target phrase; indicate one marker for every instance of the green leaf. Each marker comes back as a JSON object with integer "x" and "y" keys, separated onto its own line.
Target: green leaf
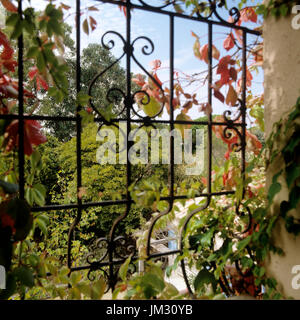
{"x": 82, "y": 99}
{"x": 257, "y": 112}
{"x": 42, "y": 225}
{"x": 294, "y": 197}
{"x": 17, "y": 31}
{"x": 35, "y": 159}
{"x": 12, "y": 19}
{"x": 40, "y": 62}
{"x": 32, "y": 52}
{"x": 124, "y": 268}
{"x": 86, "y": 117}
{"x": 181, "y": 127}
{"x": 284, "y": 9}
{"x": 25, "y": 276}
{"x": 206, "y": 238}
{"x": 243, "y": 244}
{"x": 204, "y": 277}
{"x": 75, "y": 278}
{"x": 292, "y": 174}
{"x": 273, "y": 190}
{"x": 85, "y": 26}
{"x": 29, "y": 196}
{"x": 116, "y": 293}
{"x": 150, "y": 279}
{"x": 259, "y": 271}
{"x": 98, "y": 289}
{"x": 152, "y": 108}
{"x": 38, "y": 197}
{"x": 85, "y": 289}
{"x": 41, "y": 188}
{"x": 246, "y": 262}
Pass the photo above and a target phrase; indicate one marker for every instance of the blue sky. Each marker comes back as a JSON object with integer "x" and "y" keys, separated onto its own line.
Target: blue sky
{"x": 156, "y": 27}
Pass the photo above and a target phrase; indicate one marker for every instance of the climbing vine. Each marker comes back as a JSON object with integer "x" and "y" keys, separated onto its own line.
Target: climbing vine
{"x": 227, "y": 242}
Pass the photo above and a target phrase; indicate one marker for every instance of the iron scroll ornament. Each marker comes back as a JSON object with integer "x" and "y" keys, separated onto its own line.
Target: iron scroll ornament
{"x": 204, "y": 10}
{"x": 147, "y": 49}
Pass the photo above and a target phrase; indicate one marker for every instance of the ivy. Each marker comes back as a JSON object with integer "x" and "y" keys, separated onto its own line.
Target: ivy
{"x": 276, "y": 8}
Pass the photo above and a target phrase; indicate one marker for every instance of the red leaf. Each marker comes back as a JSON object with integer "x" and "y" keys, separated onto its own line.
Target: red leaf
{"x": 7, "y": 221}
{"x": 10, "y": 65}
{"x": 248, "y": 14}
{"x": 40, "y": 81}
{"x": 239, "y": 36}
{"x": 204, "y": 53}
{"x": 123, "y": 8}
{"x": 206, "y": 108}
{"x": 249, "y": 78}
{"x": 231, "y": 97}
{"x": 93, "y": 23}
{"x": 187, "y": 106}
{"x": 32, "y": 135}
{"x": 92, "y": 8}
{"x": 223, "y": 69}
{"x": 9, "y": 6}
{"x": 32, "y": 72}
{"x": 233, "y": 73}
{"x": 155, "y": 64}
{"x": 64, "y": 6}
{"x": 219, "y": 95}
{"x": 229, "y": 42}
{"x": 139, "y": 80}
{"x": 215, "y": 52}
{"x": 253, "y": 143}
{"x": 8, "y": 51}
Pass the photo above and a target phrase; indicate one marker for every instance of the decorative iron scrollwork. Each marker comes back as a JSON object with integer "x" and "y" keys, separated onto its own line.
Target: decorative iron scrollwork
{"x": 210, "y": 8}
{"x": 104, "y": 253}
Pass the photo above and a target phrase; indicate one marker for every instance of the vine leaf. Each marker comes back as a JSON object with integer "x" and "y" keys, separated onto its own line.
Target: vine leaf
{"x": 229, "y": 42}
{"x": 9, "y": 6}
{"x": 292, "y": 174}
{"x": 124, "y": 268}
{"x": 205, "y": 277}
{"x": 85, "y": 26}
{"x": 231, "y": 97}
{"x": 274, "y": 189}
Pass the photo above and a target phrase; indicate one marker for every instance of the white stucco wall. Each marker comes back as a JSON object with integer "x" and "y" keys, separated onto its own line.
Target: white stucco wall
{"x": 282, "y": 88}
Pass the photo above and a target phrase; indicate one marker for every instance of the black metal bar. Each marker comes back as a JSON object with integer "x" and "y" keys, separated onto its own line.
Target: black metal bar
{"x": 78, "y": 136}
{"x": 21, "y": 155}
{"x": 183, "y": 16}
{"x": 210, "y": 79}
{"x": 65, "y": 118}
{"x": 120, "y": 202}
{"x": 172, "y": 173}
{"x": 244, "y": 108}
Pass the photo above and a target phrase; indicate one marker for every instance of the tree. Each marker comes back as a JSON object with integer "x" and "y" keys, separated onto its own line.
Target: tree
{"x": 94, "y": 59}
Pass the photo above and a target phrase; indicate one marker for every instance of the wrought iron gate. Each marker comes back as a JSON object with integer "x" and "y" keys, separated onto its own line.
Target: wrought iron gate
{"x": 116, "y": 249}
